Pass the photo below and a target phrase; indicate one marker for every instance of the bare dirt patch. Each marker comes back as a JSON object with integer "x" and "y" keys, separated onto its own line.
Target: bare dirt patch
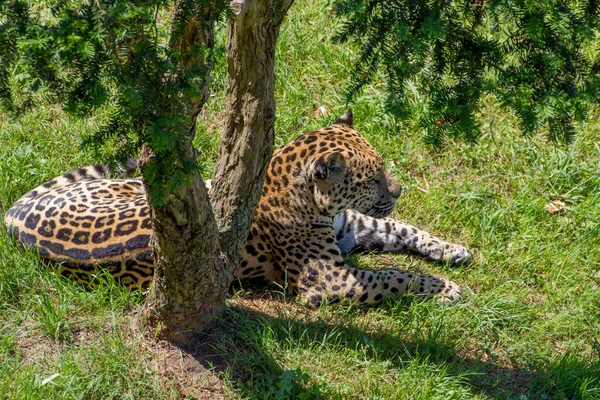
{"x": 193, "y": 370}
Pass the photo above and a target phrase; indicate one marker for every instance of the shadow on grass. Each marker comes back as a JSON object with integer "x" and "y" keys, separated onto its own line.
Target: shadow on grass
{"x": 243, "y": 347}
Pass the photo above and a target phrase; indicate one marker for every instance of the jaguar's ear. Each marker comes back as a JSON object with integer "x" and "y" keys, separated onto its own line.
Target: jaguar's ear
{"x": 347, "y": 119}
{"x": 330, "y": 165}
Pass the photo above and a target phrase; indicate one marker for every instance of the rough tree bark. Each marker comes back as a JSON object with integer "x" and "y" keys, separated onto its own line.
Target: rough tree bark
{"x": 196, "y": 246}
{"x": 247, "y": 143}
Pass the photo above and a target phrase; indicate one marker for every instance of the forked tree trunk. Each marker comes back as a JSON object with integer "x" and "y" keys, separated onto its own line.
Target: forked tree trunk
{"x": 196, "y": 253}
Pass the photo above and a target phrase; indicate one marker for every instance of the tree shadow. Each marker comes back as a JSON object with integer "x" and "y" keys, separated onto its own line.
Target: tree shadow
{"x": 236, "y": 348}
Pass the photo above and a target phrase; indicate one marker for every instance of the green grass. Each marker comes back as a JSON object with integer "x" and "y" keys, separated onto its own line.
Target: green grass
{"x": 529, "y": 326}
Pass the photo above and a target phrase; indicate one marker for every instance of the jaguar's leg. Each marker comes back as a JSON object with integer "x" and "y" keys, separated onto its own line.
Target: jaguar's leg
{"x": 356, "y": 231}
{"x": 331, "y": 282}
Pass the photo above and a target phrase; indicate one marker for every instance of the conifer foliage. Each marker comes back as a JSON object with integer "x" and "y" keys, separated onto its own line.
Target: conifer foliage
{"x": 87, "y": 54}
{"x": 540, "y": 58}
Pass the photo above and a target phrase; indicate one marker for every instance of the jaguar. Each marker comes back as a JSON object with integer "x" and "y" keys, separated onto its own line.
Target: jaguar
{"x": 327, "y": 194}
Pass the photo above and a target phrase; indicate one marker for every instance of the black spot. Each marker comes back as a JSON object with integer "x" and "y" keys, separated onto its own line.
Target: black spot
{"x": 100, "y": 169}
{"x": 82, "y": 172}
{"x": 32, "y": 221}
{"x": 363, "y": 298}
{"x": 102, "y": 221}
{"x": 51, "y": 212}
{"x": 81, "y": 237}
{"x": 146, "y": 224}
{"x": 138, "y": 242}
{"x": 251, "y": 250}
{"x": 316, "y": 300}
{"x": 126, "y": 228}
{"x": 69, "y": 176}
{"x": 378, "y": 297}
{"x": 126, "y": 214}
{"x": 64, "y": 217}
{"x": 27, "y": 238}
{"x": 360, "y": 225}
{"x": 144, "y": 211}
{"x": 101, "y": 237}
{"x": 64, "y": 234}
{"x": 262, "y": 258}
{"x": 49, "y": 184}
{"x": 388, "y": 227}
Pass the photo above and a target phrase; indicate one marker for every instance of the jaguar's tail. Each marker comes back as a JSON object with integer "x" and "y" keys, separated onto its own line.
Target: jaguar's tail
{"x": 87, "y": 173}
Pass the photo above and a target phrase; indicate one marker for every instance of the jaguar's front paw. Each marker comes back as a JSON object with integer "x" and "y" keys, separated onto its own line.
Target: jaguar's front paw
{"x": 448, "y": 253}
{"x": 458, "y": 255}
{"x": 440, "y": 289}
{"x": 451, "y": 292}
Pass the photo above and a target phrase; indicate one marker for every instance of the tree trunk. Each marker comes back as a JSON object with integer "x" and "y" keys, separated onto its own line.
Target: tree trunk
{"x": 195, "y": 260}
{"x": 190, "y": 281}
{"x": 247, "y": 143}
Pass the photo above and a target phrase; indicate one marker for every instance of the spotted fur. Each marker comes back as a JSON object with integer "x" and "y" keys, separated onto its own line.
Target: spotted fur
{"x": 326, "y": 194}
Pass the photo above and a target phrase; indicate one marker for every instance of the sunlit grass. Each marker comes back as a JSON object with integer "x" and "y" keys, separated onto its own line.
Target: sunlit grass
{"x": 529, "y": 325}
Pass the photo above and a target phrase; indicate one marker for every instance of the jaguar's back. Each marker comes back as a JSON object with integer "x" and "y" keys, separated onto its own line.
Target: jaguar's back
{"x": 83, "y": 220}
